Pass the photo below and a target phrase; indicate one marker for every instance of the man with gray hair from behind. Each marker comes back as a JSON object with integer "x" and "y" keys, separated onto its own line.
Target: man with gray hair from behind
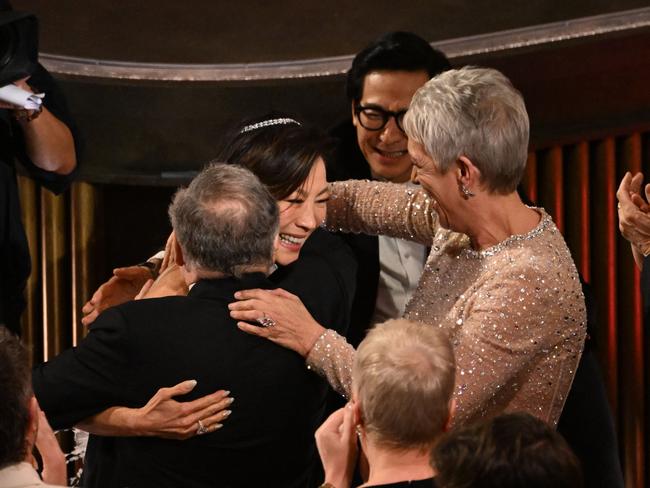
{"x": 226, "y": 225}
{"x": 402, "y": 383}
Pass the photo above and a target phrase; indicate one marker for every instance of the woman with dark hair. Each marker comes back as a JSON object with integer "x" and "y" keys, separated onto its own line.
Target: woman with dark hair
{"x": 289, "y": 158}
{"x": 499, "y": 279}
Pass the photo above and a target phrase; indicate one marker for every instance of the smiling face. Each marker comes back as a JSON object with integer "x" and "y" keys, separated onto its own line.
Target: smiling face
{"x": 301, "y": 213}
{"x": 443, "y": 187}
{"x": 385, "y": 149}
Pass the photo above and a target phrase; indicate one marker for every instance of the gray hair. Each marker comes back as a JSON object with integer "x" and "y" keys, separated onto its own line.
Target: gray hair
{"x": 477, "y": 113}
{"x": 225, "y": 220}
{"x": 403, "y": 376}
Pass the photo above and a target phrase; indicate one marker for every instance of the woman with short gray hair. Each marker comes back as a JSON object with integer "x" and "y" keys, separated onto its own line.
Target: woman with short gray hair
{"x": 499, "y": 279}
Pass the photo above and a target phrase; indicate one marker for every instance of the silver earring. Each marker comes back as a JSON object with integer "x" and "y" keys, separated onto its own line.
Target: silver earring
{"x": 466, "y": 191}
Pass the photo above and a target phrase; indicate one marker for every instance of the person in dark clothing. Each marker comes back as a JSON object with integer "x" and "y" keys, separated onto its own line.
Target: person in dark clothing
{"x": 372, "y": 145}
{"x": 587, "y": 405}
{"x": 43, "y": 143}
{"x": 226, "y": 225}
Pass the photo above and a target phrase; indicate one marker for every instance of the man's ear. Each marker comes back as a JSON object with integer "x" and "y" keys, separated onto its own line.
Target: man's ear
{"x": 354, "y": 115}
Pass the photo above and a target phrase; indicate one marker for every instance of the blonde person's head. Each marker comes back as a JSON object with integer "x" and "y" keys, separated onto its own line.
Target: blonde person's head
{"x": 403, "y": 379}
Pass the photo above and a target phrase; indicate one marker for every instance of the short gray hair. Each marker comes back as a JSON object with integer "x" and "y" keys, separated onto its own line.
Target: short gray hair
{"x": 225, "y": 220}
{"x": 403, "y": 376}
{"x": 477, "y": 113}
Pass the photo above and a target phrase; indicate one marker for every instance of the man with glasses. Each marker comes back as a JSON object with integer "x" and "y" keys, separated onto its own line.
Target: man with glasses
{"x": 380, "y": 85}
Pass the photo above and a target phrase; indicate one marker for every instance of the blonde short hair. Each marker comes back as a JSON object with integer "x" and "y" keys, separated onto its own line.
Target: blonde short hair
{"x": 476, "y": 113}
{"x": 403, "y": 377}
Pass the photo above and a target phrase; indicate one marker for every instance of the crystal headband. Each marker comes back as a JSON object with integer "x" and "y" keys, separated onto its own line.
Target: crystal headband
{"x": 268, "y": 123}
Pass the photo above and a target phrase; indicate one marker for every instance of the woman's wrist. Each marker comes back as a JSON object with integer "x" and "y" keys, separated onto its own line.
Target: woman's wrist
{"x": 311, "y": 336}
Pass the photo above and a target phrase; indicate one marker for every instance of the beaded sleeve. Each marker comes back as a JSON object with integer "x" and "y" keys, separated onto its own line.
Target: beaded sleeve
{"x": 332, "y": 357}
{"x": 376, "y": 208}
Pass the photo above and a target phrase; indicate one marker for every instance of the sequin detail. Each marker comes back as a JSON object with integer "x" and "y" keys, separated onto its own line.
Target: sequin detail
{"x": 332, "y": 358}
{"x": 514, "y": 312}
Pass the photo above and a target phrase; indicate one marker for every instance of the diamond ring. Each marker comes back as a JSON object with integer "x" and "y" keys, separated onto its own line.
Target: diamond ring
{"x": 202, "y": 428}
{"x": 266, "y": 321}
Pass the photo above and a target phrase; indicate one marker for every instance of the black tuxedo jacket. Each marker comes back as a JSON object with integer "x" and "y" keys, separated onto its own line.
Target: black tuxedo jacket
{"x": 349, "y": 163}
{"x": 134, "y": 349}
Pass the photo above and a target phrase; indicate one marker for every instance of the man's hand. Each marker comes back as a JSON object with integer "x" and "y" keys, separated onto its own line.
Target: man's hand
{"x": 123, "y": 286}
{"x": 337, "y": 446}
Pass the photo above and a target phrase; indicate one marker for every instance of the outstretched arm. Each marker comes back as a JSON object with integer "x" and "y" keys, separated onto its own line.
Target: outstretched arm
{"x": 375, "y": 208}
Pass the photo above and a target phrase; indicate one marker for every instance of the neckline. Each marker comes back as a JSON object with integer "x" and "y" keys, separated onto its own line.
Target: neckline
{"x": 544, "y": 222}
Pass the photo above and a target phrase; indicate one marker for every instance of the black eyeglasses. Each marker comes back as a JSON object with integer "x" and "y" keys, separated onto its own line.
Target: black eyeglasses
{"x": 375, "y": 118}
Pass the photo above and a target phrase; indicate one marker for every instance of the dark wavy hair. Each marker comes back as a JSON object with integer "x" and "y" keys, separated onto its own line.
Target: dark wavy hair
{"x": 513, "y": 450}
{"x": 15, "y": 393}
{"x": 280, "y": 155}
{"x": 394, "y": 51}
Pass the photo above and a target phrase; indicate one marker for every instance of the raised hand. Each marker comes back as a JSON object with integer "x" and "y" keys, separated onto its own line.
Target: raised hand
{"x": 337, "y": 446}
{"x": 634, "y": 215}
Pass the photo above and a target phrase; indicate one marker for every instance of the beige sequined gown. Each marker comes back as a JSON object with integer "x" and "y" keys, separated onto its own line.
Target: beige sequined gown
{"x": 514, "y": 312}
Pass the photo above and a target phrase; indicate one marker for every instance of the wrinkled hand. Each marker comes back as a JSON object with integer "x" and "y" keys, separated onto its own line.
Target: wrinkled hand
{"x": 170, "y": 282}
{"x": 123, "y": 286}
{"x": 294, "y": 327}
{"x": 634, "y": 212}
{"x": 337, "y": 445}
{"x": 54, "y": 468}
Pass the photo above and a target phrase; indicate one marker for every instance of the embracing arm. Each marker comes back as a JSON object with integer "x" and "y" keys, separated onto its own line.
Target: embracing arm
{"x": 376, "y": 208}
{"x": 163, "y": 416}
{"x": 86, "y": 379}
{"x": 127, "y": 283}
{"x": 332, "y": 358}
